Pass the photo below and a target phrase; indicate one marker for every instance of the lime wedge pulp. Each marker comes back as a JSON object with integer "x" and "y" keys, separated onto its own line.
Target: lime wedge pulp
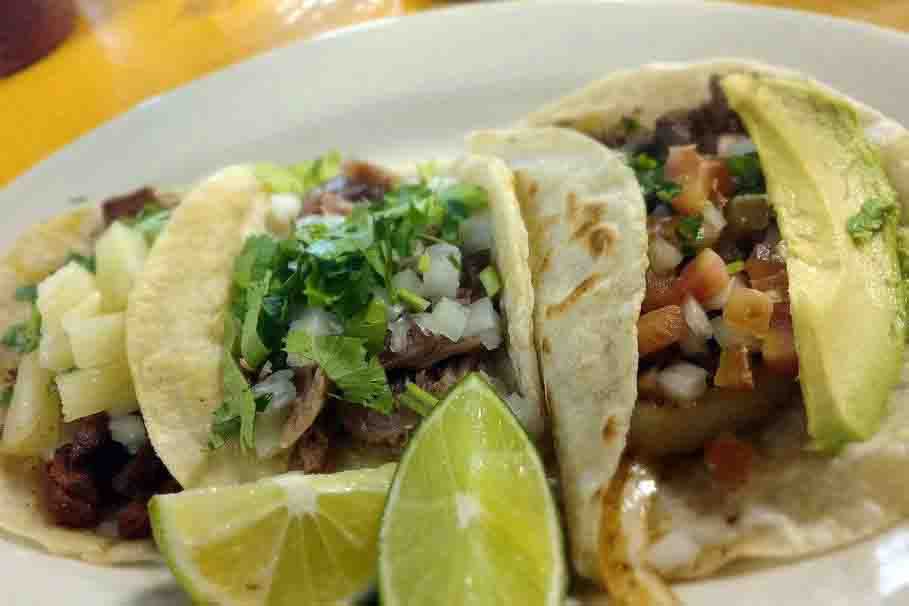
{"x": 289, "y": 539}
{"x": 470, "y": 519}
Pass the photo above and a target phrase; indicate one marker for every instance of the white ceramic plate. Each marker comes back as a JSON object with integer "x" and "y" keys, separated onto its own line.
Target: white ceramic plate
{"x": 411, "y": 88}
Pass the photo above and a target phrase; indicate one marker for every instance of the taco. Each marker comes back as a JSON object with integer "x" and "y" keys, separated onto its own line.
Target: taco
{"x": 307, "y": 317}
{"x": 75, "y": 466}
{"x": 769, "y": 419}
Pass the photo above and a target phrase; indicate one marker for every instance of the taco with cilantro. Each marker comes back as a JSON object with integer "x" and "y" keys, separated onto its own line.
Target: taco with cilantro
{"x": 753, "y": 407}
{"x": 76, "y": 469}
{"x": 308, "y": 317}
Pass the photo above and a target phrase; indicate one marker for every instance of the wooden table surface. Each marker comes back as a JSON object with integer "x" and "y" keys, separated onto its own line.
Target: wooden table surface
{"x": 124, "y": 51}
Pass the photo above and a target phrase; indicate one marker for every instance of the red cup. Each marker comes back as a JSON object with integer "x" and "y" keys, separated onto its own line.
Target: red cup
{"x": 31, "y": 29}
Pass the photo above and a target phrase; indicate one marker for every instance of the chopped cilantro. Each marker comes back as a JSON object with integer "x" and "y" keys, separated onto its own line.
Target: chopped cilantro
{"x": 6, "y": 396}
{"x": 298, "y": 178}
{"x": 412, "y": 300}
{"x": 871, "y": 219}
{"x": 151, "y": 221}
{"x": 746, "y": 170}
{"x": 237, "y": 414}
{"x": 27, "y": 294}
{"x": 691, "y": 233}
{"x": 360, "y": 378}
{"x": 88, "y": 262}
{"x": 418, "y": 399}
{"x": 251, "y": 347}
{"x": 631, "y": 125}
{"x": 735, "y": 267}
{"x": 24, "y": 337}
{"x": 370, "y": 324}
{"x": 490, "y": 280}
{"x": 655, "y": 186}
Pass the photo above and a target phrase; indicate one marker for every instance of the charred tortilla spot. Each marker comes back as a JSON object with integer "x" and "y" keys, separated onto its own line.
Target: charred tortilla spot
{"x": 591, "y": 215}
{"x": 600, "y": 240}
{"x": 546, "y": 345}
{"x": 572, "y": 201}
{"x": 610, "y": 429}
{"x": 579, "y": 291}
{"x": 544, "y": 264}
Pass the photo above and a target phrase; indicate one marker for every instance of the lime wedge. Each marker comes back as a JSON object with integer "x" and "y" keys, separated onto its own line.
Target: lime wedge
{"x": 470, "y": 519}
{"x": 289, "y": 539}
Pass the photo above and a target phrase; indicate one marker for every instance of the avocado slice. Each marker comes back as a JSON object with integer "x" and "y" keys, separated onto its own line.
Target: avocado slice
{"x": 846, "y": 295}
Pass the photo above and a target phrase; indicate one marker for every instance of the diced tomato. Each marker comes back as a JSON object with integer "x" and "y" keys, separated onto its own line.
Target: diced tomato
{"x": 682, "y": 163}
{"x": 729, "y": 460}
{"x": 705, "y": 276}
{"x": 778, "y": 350}
{"x": 749, "y": 310}
{"x": 661, "y": 291}
{"x": 734, "y": 371}
{"x": 659, "y": 329}
{"x": 763, "y": 263}
{"x": 716, "y": 181}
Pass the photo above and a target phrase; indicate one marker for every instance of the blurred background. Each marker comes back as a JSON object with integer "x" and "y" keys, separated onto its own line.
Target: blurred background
{"x": 112, "y": 54}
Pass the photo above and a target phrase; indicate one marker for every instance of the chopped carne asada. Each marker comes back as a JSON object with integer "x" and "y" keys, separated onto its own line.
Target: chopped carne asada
{"x": 715, "y": 321}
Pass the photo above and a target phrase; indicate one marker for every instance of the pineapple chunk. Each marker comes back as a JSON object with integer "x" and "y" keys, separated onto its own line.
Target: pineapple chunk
{"x": 55, "y": 349}
{"x": 97, "y": 341}
{"x": 119, "y": 256}
{"x": 32, "y": 425}
{"x": 67, "y": 288}
{"x": 70, "y": 289}
{"x": 89, "y": 391}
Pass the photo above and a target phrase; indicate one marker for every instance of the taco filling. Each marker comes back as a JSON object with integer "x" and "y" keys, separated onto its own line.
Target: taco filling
{"x": 343, "y": 334}
{"x": 69, "y": 404}
{"x": 715, "y": 337}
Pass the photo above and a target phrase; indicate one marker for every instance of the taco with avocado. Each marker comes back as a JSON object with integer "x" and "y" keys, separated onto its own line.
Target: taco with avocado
{"x": 308, "y": 317}
{"x": 759, "y": 412}
{"x": 76, "y": 470}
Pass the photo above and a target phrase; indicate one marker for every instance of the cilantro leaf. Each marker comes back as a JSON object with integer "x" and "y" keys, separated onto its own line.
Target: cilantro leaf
{"x": 361, "y": 380}
{"x": 24, "y": 337}
{"x": 88, "y": 262}
{"x": 747, "y": 173}
{"x": 370, "y": 325}
{"x": 237, "y": 414}
{"x": 691, "y": 233}
{"x": 251, "y": 347}
{"x": 27, "y": 294}
{"x": 151, "y": 221}
{"x": 870, "y": 219}
{"x": 655, "y": 186}
{"x": 255, "y": 260}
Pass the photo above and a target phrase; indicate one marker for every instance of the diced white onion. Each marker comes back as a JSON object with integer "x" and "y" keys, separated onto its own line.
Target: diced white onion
{"x": 696, "y": 318}
{"x": 280, "y": 386}
{"x": 408, "y": 279}
{"x": 317, "y": 322}
{"x": 398, "y": 330}
{"x": 714, "y": 222}
{"x": 491, "y": 339}
{"x": 664, "y": 257}
{"x": 448, "y": 318}
{"x": 285, "y": 208}
{"x": 269, "y": 427}
{"x": 734, "y": 145}
{"x": 683, "y": 382}
{"x": 444, "y": 275}
{"x": 476, "y": 233}
{"x": 329, "y": 220}
{"x": 728, "y": 336}
{"x": 719, "y": 300}
{"x": 129, "y": 430}
{"x": 673, "y": 551}
{"x": 483, "y": 317}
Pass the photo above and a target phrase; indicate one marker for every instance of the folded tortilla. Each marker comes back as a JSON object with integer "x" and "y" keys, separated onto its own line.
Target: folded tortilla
{"x": 176, "y": 316}
{"x": 796, "y": 502}
{"x": 35, "y": 255}
{"x": 586, "y": 219}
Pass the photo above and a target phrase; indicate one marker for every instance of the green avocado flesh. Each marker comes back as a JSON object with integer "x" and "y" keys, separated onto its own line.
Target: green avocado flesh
{"x": 846, "y": 298}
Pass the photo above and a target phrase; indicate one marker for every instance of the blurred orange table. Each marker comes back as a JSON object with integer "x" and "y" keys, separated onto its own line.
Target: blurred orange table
{"x": 124, "y": 51}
